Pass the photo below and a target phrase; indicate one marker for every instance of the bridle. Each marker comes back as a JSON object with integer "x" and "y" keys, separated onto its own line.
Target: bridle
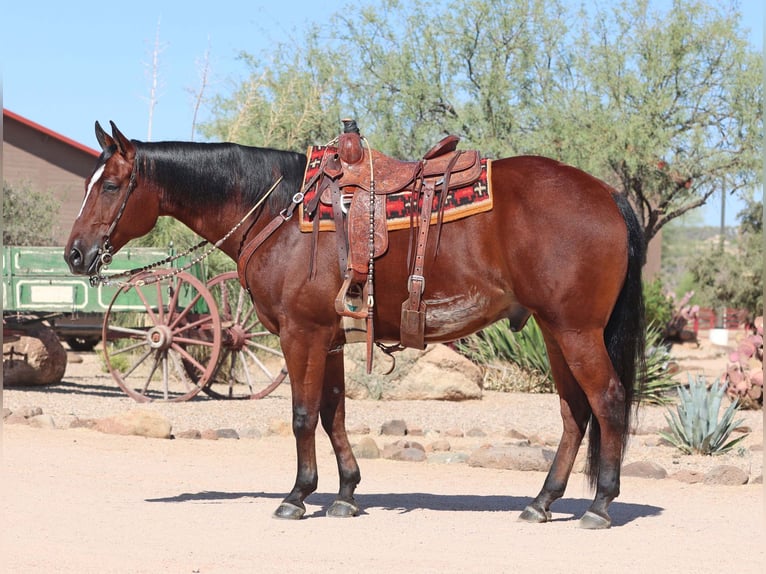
{"x": 106, "y": 250}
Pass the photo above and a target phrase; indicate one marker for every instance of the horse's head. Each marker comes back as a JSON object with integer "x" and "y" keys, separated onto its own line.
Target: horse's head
{"x": 117, "y": 206}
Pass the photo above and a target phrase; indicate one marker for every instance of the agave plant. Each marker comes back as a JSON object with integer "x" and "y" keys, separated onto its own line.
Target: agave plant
{"x": 695, "y": 428}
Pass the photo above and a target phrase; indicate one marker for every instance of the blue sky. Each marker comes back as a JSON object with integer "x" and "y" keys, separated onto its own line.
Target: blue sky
{"x": 68, "y": 64}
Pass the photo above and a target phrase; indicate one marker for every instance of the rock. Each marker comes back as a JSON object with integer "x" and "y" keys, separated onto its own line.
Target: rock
{"x": 644, "y": 469}
{"x": 250, "y": 433}
{"x": 366, "y": 448}
{"x": 513, "y": 433}
{"x": 405, "y": 451}
{"x": 227, "y": 433}
{"x": 16, "y": 419}
{"x": 360, "y": 428}
{"x": 6, "y": 412}
{"x": 454, "y": 433}
{"x": 688, "y": 476}
{"x": 395, "y": 427}
{"x": 512, "y": 457}
{"x": 28, "y": 412}
{"x": 42, "y": 421}
{"x": 36, "y": 358}
{"x": 475, "y": 432}
{"x": 138, "y": 422}
{"x": 441, "y": 445}
{"x": 726, "y": 475}
{"x": 447, "y": 457}
{"x": 78, "y": 423}
{"x": 437, "y": 373}
{"x": 440, "y": 373}
{"x": 209, "y": 434}
{"x": 188, "y": 434}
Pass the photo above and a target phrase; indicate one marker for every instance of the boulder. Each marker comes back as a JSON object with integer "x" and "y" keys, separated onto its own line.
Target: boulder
{"x": 36, "y": 358}
{"x": 512, "y": 457}
{"x": 139, "y": 422}
{"x": 436, "y": 373}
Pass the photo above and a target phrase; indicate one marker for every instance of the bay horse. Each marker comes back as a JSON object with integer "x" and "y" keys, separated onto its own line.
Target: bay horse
{"x": 558, "y": 244}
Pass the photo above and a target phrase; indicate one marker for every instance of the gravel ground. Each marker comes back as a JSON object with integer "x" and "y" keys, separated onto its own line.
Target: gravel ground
{"x": 88, "y": 393}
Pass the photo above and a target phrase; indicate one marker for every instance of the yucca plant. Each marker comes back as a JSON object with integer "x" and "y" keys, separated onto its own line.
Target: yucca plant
{"x": 695, "y": 428}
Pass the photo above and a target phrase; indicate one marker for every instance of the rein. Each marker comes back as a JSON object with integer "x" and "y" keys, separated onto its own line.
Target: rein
{"x": 106, "y": 250}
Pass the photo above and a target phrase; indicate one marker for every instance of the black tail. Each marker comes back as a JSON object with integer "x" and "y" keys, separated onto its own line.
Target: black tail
{"x": 625, "y": 335}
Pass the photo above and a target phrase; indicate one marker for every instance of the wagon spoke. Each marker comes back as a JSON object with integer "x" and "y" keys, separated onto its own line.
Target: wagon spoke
{"x": 148, "y": 380}
{"x": 258, "y": 362}
{"x": 146, "y": 304}
{"x": 127, "y": 331}
{"x": 265, "y": 348}
{"x": 143, "y": 357}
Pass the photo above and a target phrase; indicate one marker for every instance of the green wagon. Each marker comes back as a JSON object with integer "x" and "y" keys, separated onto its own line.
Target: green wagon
{"x": 165, "y": 334}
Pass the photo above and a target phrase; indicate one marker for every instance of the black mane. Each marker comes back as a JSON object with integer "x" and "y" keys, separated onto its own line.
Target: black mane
{"x": 208, "y": 174}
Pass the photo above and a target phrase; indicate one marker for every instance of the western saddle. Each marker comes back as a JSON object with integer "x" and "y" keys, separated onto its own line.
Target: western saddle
{"x": 354, "y": 179}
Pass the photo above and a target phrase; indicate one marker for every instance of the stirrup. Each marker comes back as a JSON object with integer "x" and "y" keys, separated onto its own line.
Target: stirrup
{"x": 351, "y": 300}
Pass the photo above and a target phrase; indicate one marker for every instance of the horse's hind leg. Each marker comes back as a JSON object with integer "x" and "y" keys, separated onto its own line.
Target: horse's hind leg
{"x": 589, "y": 362}
{"x": 575, "y": 412}
{"x": 333, "y": 416}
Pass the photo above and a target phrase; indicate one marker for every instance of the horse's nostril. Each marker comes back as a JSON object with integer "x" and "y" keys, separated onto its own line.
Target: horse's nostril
{"x": 75, "y": 257}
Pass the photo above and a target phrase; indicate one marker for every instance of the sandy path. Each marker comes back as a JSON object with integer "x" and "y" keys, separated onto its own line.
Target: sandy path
{"x": 77, "y": 501}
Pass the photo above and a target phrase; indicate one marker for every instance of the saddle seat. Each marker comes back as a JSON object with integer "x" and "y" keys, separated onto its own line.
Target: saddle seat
{"x": 391, "y": 175}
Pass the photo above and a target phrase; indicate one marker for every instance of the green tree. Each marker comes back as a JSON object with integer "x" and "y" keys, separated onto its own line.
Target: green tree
{"x": 664, "y": 105}
{"x": 730, "y": 273}
{"x": 28, "y": 215}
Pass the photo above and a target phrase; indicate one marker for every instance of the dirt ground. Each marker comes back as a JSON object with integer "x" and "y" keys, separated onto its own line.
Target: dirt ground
{"x": 80, "y": 501}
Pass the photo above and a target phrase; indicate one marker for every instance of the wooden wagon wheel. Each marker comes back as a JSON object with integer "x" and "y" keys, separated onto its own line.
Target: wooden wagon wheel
{"x": 157, "y": 335}
{"x": 250, "y": 355}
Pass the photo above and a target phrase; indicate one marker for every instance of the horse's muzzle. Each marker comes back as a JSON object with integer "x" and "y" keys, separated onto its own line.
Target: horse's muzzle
{"x": 81, "y": 261}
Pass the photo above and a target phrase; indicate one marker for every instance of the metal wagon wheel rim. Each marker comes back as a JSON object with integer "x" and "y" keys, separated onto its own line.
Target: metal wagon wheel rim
{"x": 243, "y": 370}
{"x": 152, "y": 354}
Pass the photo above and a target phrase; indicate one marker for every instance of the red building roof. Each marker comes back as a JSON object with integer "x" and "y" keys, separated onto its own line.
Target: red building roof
{"x": 48, "y": 132}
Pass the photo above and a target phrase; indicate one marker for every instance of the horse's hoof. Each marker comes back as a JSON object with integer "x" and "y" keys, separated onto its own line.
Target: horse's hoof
{"x": 289, "y": 511}
{"x": 343, "y": 509}
{"x": 532, "y": 514}
{"x": 592, "y": 521}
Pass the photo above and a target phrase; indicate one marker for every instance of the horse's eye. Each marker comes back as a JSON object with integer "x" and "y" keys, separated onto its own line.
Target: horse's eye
{"x": 110, "y": 187}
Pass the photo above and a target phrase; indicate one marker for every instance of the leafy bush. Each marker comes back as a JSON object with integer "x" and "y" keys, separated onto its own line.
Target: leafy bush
{"x": 695, "y": 427}
{"x": 659, "y": 307}
{"x": 28, "y": 216}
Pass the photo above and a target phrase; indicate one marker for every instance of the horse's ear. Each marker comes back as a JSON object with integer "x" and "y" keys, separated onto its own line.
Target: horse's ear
{"x": 124, "y": 145}
{"x": 104, "y": 139}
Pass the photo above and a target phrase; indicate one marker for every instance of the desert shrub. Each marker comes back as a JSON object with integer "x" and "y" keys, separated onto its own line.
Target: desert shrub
{"x": 695, "y": 427}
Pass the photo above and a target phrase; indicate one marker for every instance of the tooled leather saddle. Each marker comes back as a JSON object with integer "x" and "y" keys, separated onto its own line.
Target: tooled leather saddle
{"x": 354, "y": 179}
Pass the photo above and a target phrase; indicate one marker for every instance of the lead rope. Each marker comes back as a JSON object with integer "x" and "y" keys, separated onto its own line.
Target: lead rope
{"x": 113, "y": 280}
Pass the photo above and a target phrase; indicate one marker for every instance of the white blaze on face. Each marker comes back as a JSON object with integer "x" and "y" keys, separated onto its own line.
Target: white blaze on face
{"x": 93, "y": 180}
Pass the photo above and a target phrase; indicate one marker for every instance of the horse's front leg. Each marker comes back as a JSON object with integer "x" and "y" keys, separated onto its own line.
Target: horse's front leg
{"x": 333, "y": 415}
{"x": 306, "y": 363}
